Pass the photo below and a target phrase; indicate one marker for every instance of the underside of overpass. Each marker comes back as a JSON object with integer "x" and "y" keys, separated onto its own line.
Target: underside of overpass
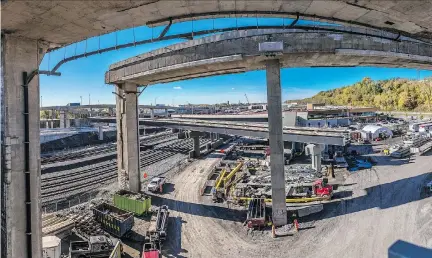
{"x": 31, "y": 28}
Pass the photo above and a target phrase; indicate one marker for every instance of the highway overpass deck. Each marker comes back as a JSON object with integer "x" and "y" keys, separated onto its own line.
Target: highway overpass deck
{"x": 291, "y": 134}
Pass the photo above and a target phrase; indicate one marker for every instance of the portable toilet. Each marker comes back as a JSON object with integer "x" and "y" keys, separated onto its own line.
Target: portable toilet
{"x": 51, "y": 247}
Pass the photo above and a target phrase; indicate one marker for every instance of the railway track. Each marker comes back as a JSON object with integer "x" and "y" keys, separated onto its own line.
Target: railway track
{"x": 105, "y": 148}
{"x": 60, "y": 187}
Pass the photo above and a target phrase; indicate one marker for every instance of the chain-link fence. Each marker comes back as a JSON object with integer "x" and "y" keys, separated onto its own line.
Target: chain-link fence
{"x": 67, "y": 204}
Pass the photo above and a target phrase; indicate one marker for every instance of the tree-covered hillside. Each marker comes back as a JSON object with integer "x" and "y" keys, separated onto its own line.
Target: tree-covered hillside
{"x": 387, "y": 95}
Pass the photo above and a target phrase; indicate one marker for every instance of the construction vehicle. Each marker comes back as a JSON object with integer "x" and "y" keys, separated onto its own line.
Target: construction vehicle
{"x": 96, "y": 246}
{"x": 256, "y": 214}
{"x": 156, "y": 234}
{"x": 223, "y": 182}
{"x": 112, "y": 219}
{"x": 156, "y": 184}
{"x": 319, "y": 188}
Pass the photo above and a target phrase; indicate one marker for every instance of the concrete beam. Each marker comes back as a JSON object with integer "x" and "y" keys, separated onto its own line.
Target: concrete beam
{"x": 127, "y": 136}
{"x": 20, "y": 55}
{"x": 219, "y": 54}
{"x": 274, "y": 100}
{"x": 244, "y": 130}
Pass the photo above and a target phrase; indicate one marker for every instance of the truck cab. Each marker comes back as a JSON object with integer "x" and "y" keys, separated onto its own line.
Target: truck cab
{"x": 95, "y": 247}
{"x": 322, "y": 189}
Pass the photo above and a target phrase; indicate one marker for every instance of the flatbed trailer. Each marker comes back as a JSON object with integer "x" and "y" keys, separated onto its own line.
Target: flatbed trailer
{"x": 156, "y": 234}
{"x": 256, "y": 214}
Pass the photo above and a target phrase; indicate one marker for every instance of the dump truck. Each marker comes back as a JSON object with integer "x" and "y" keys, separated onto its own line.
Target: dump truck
{"x": 156, "y": 184}
{"x": 256, "y": 214}
{"x": 113, "y": 220}
{"x": 156, "y": 234}
{"x": 96, "y": 246}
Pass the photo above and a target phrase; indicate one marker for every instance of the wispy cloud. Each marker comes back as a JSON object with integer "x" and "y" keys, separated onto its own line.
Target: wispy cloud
{"x": 177, "y": 87}
{"x": 233, "y": 88}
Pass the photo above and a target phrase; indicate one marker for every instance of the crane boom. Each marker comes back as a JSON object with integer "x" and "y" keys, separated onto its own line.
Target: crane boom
{"x": 247, "y": 99}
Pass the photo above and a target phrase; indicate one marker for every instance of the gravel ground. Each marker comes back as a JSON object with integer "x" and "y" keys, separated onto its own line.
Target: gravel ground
{"x": 384, "y": 206}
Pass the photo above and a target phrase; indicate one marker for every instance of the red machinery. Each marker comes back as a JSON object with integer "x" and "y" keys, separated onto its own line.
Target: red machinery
{"x": 321, "y": 188}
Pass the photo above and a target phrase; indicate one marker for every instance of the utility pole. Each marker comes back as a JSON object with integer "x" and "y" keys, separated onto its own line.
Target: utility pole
{"x": 41, "y": 102}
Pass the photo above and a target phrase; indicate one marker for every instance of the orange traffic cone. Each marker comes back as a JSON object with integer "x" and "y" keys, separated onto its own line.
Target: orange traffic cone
{"x": 296, "y": 225}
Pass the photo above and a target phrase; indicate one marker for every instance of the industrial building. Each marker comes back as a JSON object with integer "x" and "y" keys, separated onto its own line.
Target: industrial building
{"x": 320, "y": 115}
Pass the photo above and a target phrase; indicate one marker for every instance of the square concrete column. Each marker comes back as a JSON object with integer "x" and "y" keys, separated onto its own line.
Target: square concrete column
{"x": 62, "y": 117}
{"x": 274, "y": 106}
{"x": 21, "y": 156}
{"x": 127, "y": 136}
{"x": 152, "y": 113}
{"x": 196, "y": 146}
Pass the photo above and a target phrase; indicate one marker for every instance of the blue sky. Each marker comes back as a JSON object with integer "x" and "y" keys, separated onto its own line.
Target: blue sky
{"x": 86, "y": 76}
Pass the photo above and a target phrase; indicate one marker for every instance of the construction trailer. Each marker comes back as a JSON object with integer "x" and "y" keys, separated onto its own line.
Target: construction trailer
{"x": 156, "y": 234}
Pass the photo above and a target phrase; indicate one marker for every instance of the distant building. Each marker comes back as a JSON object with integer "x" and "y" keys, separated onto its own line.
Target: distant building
{"x": 328, "y": 116}
{"x": 262, "y": 107}
{"x": 73, "y": 104}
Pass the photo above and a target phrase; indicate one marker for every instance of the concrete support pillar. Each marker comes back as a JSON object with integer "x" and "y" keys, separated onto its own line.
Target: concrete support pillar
{"x": 77, "y": 122}
{"x": 196, "y": 146}
{"x": 127, "y": 136}
{"x": 53, "y": 114}
{"x": 274, "y": 100}
{"x": 62, "y": 117}
{"x": 211, "y": 136}
{"x": 100, "y": 133}
{"x": 21, "y": 144}
{"x": 47, "y": 124}
{"x": 152, "y": 113}
{"x": 166, "y": 112}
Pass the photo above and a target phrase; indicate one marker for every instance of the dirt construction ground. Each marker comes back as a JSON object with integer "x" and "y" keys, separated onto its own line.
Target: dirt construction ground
{"x": 383, "y": 205}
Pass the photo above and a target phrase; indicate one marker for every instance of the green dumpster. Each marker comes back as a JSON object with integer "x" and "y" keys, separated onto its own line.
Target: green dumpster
{"x": 137, "y": 203}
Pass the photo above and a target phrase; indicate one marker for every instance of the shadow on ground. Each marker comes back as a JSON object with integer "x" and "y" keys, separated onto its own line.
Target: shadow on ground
{"x": 173, "y": 246}
{"x": 383, "y": 196}
{"x": 202, "y": 210}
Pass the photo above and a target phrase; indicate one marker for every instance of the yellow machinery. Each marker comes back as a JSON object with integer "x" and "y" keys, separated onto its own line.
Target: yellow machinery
{"x": 220, "y": 179}
{"x": 224, "y": 181}
{"x": 291, "y": 200}
{"x": 232, "y": 173}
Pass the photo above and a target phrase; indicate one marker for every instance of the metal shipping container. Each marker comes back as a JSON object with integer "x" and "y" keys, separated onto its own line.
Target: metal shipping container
{"x": 113, "y": 220}
{"x": 128, "y": 201}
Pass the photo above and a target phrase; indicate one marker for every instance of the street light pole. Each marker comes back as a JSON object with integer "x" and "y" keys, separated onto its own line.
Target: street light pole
{"x": 41, "y": 102}
{"x": 156, "y": 99}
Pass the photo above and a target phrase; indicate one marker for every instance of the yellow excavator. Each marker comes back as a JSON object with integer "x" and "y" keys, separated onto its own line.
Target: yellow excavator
{"x": 223, "y": 182}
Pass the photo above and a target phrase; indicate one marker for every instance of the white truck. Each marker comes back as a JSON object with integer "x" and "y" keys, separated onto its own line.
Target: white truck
{"x": 156, "y": 184}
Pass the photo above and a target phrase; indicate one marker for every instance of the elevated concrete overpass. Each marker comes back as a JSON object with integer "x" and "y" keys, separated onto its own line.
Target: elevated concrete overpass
{"x": 100, "y": 106}
{"x": 31, "y": 28}
{"x": 63, "y": 22}
{"x": 290, "y": 134}
{"x": 237, "y": 51}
